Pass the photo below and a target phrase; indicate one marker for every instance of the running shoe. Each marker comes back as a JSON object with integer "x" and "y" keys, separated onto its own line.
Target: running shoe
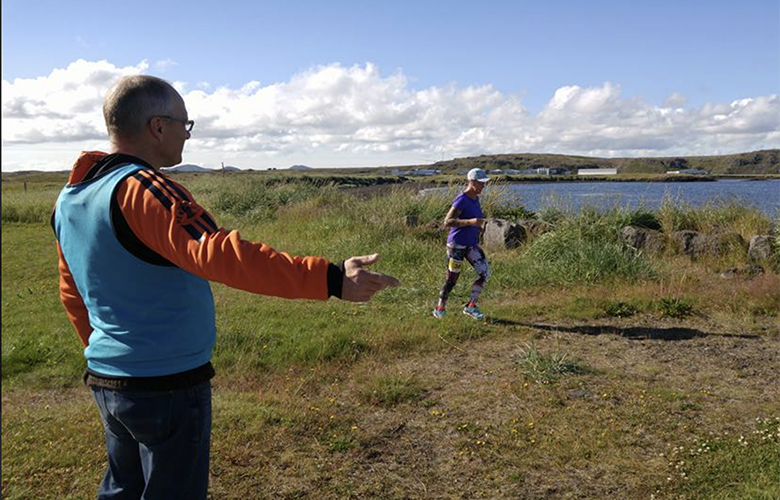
{"x": 439, "y": 313}
{"x": 474, "y": 312}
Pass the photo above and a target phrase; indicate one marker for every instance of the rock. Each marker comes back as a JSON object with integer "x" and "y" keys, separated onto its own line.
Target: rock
{"x": 683, "y": 241}
{"x": 725, "y": 242}
{"x": 760, "y": 247}
{"x": 501, "y": 233}
{"x": 750, "y": 271}
{"x": 579, "y": 393}
{"x": 533, "y": 227}
{"x": 641, "y": 238}
{"x": 698, "y": 244}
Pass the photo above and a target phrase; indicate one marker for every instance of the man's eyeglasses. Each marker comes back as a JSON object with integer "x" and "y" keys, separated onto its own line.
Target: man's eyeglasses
{"x": 188, "y": 124}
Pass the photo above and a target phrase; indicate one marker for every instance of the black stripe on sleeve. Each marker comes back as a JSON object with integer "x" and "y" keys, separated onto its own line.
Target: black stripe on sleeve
{"x": 203, "y": 226}
{"x": 169, "y": 184}
{"x": 166, "y": 202}
{"x": 193, "y": 232}
{"x": 210, "y": 222}
{"x": 128, "y": 239}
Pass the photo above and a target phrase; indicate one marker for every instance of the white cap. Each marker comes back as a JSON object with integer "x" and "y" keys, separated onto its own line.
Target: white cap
{"x": 477, "y": 174}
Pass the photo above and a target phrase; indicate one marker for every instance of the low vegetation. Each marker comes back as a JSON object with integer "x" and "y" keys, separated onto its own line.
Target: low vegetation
{"x": 752, "y": 163}
{"x": 545, "y": 368}
{"x": 601, "y": 372}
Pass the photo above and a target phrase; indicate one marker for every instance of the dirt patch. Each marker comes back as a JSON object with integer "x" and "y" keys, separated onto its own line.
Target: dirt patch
{"x": 479, "y": 430}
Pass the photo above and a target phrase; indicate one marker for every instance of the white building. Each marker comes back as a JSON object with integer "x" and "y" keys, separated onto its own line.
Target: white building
{"x": 417, "y": 171}
{"x": 597, "y": 171}
{"x": 688, "y": 171}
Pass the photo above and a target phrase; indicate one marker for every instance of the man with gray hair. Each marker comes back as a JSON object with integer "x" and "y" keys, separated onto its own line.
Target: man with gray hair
{"x": 136, "y": 255}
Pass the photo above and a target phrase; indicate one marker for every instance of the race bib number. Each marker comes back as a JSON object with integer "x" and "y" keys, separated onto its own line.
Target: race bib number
{"x": 455, "y": 265}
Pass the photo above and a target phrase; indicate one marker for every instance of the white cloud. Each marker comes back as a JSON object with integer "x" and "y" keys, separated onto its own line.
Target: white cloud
{"x": 354, "y": 116}
{"x": 62, "y": 107}
{"x": 675, "y": 100}
{"x": 164, "y": 65}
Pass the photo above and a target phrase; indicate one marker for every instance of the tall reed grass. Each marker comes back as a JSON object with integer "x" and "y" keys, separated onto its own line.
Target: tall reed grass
{"x": 717, "y": 216}
{"x": 30, "y": 207}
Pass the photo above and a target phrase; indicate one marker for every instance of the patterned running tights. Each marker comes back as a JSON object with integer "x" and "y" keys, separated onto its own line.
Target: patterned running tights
{"x": 456, "y": 254}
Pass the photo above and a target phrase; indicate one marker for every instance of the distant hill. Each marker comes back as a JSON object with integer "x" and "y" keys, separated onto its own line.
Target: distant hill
{"x": 188, "y": 167}
{"x": 299, "y": 168}
{"x": 756, "y": 162}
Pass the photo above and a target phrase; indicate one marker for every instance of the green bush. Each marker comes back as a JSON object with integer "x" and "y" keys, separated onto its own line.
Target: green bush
{"x": 258, "y": 200}
{"x": 643, "y": 218}
{"x": 28, "y": 211}
{"x": 675, "y": 307}
{"x": 545, "y": 369}
{"x": 620, "y": 309}
{"x": 715, "y": 217}
{"x": 583, "y": 248}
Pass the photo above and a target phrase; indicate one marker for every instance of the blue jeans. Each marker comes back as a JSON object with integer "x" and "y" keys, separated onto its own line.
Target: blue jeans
{"x": 157, "y": 442}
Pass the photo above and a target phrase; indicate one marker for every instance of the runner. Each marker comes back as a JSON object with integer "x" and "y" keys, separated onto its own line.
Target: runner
{"x": 465, "y": 220}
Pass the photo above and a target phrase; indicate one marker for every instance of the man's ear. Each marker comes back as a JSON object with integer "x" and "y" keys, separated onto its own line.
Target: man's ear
{"x": 155, "y": 127}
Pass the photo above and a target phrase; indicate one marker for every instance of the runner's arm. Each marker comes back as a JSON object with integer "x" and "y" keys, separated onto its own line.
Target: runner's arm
{"x": 452, "y": 220}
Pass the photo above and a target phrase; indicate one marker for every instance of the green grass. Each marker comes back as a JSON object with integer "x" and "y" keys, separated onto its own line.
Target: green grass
{"x": 582, "y": 248}
{"x": 716, "y": 216}
{"x": 38, "y": 345}
{"x": 546, "y": 368}
{"x": 311, "y": 395}
{"x": 730, "y": 467}
{"x": 675, "y": 307}
{"x": 314, "y": 217}
{"x": 33, "y": 206}
{"x": 390, "y": 390}
{"x": 620, "y": 309}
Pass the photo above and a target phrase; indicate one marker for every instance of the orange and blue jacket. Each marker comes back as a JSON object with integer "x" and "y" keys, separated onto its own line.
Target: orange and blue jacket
{"x": 158, "y": 221}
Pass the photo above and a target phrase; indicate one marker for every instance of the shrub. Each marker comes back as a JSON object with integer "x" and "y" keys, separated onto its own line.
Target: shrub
{"x": 259, "y": 199}
{"x": 583, "y": 248}
{"x": 643, "y": 218}
{"x": 544, "y": 369}
{"x": 33, "y": 210}
{"x": 675, "y": 307}
{"x": 620, "y": 309}
{"x": 512, "y": 213}
{"x": 714, "y": 217}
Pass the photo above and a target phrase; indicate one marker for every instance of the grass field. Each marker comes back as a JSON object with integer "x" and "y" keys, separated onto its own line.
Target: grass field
{"x": 601, "y": 372}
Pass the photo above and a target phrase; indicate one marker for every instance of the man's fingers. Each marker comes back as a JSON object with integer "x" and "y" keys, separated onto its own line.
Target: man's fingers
{"x": 360, "y": 284}
{"x": 363, "y": 284}
{"x": 374, "y": 278}
{"x": 364, "y": 260}
{"x": 387, "y": 280}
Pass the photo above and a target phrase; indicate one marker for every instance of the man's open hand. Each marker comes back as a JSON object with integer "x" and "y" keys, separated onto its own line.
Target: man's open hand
{"x": 360, "y": 284}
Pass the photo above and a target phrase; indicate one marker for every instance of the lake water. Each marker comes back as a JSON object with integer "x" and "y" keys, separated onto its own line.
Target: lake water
{"x": 762, "y": 194}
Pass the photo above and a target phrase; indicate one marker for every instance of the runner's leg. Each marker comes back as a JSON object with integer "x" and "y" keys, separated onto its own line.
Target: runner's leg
{"x": 476, "y": 257}
{"x": 455, "y": 256}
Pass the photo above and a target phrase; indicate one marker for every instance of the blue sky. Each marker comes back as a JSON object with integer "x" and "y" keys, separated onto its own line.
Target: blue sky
{"x": 357, "y": 83}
